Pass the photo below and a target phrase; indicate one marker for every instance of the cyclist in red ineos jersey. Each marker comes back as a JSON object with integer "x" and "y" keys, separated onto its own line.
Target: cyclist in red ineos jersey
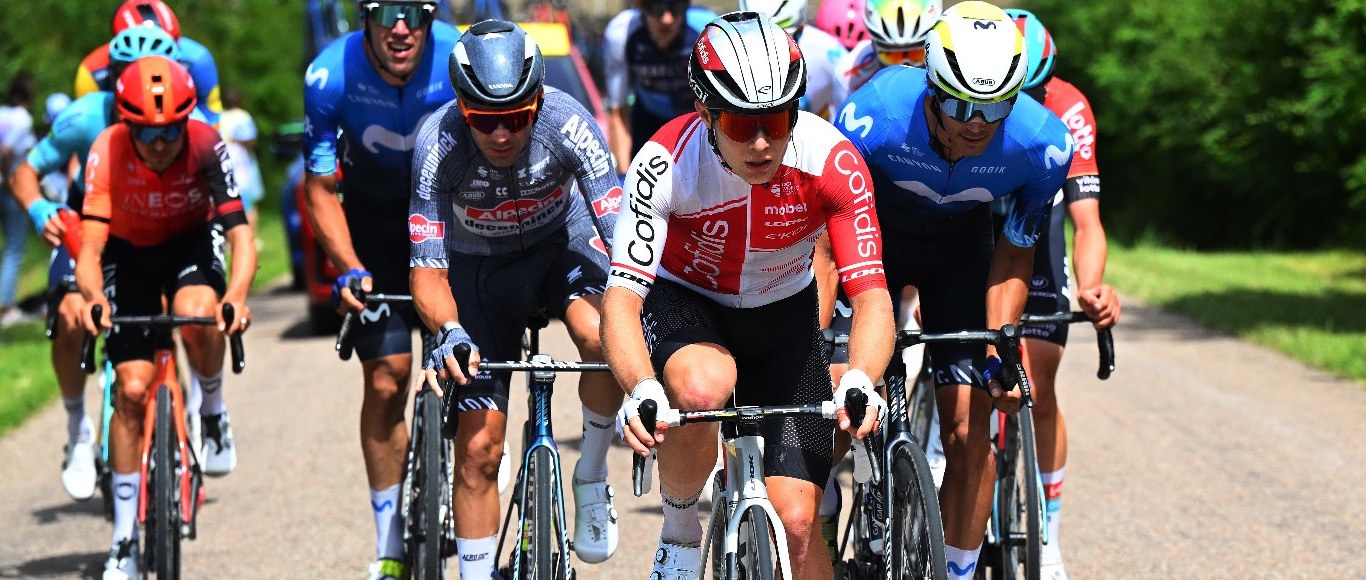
{"x": 711, "y": 289}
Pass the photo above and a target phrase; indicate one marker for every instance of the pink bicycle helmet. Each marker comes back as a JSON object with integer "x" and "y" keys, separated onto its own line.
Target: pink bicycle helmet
{"x": 843, "y": 19}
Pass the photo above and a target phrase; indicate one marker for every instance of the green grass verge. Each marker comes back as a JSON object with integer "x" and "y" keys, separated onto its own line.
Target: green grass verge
{"x": 26, "y": 379}
{"x": 1310, "y": 306}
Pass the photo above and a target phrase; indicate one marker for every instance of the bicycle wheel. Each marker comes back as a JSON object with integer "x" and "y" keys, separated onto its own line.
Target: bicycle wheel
{"x": 716, "y": 528}
{"x": 1019, "y": 505}
{"x": 917, "y": 532}
{"x": 165, "y": 517}
{"x": 755, "y": 558}
{"x": 538, "y": 550}
{"x": 424, "y": 544}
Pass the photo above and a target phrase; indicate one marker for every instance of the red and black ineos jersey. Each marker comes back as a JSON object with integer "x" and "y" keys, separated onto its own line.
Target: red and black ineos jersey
{"x": 126, "y": 200}
{"x": 689, "y": 219}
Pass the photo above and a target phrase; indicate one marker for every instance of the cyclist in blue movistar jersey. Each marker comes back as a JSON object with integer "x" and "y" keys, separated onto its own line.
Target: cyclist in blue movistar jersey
{"x": 72, "y": 133}
{"x": 513, "y": 196}
{"x": 365, "y": 96}
{"x": 96, "y": 71}
{"x": 647, "y": 50}
{"x": 942, "y": 143}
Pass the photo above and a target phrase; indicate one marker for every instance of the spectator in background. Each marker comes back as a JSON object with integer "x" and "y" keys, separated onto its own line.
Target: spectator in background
{"x": 16, "y": 138}
{"x": 55, "y": 184}
{"x": 238, "y": 130}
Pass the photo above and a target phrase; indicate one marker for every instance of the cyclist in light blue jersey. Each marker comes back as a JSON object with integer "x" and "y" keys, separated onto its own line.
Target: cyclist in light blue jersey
{"x": 365, "y": 96}
{"x": 942, "y": 143}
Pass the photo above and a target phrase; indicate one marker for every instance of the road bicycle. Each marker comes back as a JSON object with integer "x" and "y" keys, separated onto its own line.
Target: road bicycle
{"x": 542, "y": 546}
{"x": 745, "y": 538}
{"x": 1016, "y": 534}
{"x": 895, "y": 525}
{"x": 171, "y": 485}
{"x": 425, "y": 502}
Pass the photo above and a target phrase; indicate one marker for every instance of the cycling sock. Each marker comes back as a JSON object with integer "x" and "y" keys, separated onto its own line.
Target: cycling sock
{"x": 476, "y": 556}
{"x": 1052, "y": 486}
{"x": 78, "y": 427}
{"x": 681, "y": 526}
{"x": 598, "y": 432}
{"x": 125, "y": 505}
{"x": 388, "y": 534}
{"x": 962, "y": 563}
{"x": 211, "y": 391}
{"x": 830, "y": 502}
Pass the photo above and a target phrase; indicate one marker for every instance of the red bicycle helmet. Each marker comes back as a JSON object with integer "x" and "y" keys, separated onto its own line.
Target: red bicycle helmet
{"x": 155, "y": 91}
{"x": 139, "y": 12}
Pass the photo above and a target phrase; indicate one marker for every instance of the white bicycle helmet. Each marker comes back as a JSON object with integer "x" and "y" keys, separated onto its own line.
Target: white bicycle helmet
{"x": 896, "y": 24}
{"x": 744, "y": 62}
{"x": 789, "y": 14}
{"x": 975, "y": 53}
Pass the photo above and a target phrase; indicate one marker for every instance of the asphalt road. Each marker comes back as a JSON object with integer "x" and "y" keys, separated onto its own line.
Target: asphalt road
{"x": 1202, "y": 457}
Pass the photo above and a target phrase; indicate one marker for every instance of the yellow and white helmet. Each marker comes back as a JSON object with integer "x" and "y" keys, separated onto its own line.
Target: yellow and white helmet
{"x": 899, "y": 24}
{"x": 789, "y": 14}
{"x": 975, "y": 53}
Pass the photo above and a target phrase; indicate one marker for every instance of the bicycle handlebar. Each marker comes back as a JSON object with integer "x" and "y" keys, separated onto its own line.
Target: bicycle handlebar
{"x": 344, "y": 346}
{"x": 641, "y": 470}
{"x": 1105, "y": 340}
{"x": 239, "y": 361}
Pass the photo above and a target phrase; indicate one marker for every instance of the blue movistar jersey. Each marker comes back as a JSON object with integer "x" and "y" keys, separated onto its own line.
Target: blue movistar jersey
{"x": 1027, "y": 159}
{"x": 356, "y": 122}
{"x": 657, "y": 76}
{"x": 73, "y": 132}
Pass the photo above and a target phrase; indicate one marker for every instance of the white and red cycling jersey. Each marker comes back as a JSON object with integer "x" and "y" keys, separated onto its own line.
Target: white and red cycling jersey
{"x": 689, "y": 219}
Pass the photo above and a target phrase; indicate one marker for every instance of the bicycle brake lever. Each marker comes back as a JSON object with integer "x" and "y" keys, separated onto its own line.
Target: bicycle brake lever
{"x": 642, "y": 468}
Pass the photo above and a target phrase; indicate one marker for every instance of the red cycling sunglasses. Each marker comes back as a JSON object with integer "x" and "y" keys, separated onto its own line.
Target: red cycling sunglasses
{"x": 742, "y": 128}
{"x": 487, "y": 122}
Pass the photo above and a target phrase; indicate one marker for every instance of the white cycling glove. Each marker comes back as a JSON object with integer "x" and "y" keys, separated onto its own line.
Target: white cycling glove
{"x": 857, "y": 379}
{"x": 647, "y": 388}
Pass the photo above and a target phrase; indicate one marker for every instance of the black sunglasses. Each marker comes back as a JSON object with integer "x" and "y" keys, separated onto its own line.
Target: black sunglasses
{"x": 657, "y": 8}
{"x": 387, "y": 15}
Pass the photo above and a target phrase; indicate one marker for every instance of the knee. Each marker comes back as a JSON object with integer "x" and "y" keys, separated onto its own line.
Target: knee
{"x": 386, "y": 382}
{"x": 587, "y": 338}
{"x": 132, "y": 398}
{"x": 701, "y": 388}
{"x": 966, "y": 439}
{"x": 799, "y": 525}
{"x": 478, "y": 456}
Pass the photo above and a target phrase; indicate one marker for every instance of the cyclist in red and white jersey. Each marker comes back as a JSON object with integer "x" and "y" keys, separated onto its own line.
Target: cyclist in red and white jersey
{"x": 1050, "y": 288}
{"x": 711, "y": 291}
{"x": 159, "y": 196}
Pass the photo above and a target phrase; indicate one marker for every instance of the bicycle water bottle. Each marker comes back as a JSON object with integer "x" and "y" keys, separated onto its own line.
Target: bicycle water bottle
{"x": 863, "y": 467}
{"x": 71, "y": 238}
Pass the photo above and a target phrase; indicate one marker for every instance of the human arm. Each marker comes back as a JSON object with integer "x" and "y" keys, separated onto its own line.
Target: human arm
{"x": 95, "y": 214}
{"x": 27, "y": 190}
{"x": 591, "y": 161}
{"x": 1010, "y": 266}
{"x": 617, "y": 82}
{"x": 1096, "y": 298}
{"x": 623, "y": 345}
{"x": 322, "y": 96}
{"x": 619, "y": 134}
{"x": 243, "y": 271}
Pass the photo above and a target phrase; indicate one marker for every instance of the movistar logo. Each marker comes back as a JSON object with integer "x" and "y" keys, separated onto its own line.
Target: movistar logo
{"x": 319, "y": 76}
{"x": 1059, "y": 157}
{"x": 368, "y": 316}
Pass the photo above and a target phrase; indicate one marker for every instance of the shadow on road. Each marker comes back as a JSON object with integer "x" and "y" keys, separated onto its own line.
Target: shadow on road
{"x": 88, "y": 565}
{"x": 48, "y": 515}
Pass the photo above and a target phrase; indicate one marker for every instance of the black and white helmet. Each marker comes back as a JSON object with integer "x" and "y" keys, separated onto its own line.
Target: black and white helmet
{"x": 743, "y": 61}
{"x": 495, "y": 64}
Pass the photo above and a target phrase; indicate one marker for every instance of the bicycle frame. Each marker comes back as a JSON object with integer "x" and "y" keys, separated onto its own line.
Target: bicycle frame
{"x": 165, "y": 378}
{"x": 745, "y": 489}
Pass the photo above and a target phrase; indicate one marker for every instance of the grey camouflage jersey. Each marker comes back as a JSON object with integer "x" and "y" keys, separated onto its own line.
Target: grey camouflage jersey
{"x": 462, "y": 203}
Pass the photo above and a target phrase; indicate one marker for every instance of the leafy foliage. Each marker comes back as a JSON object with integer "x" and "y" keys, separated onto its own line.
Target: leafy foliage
{"x": 257, "y": 44}
{"x": 1225, "y": 123}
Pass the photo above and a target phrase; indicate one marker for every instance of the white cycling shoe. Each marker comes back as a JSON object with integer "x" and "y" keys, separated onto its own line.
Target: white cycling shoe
{"x": 675, "y": 562}
{"x": 220, "y": 452}
{"x": 1053, "y": 571}
{"x": 78, "y": 471}
{"x": 123, "y": 562}
{"x": 595, "y": 521}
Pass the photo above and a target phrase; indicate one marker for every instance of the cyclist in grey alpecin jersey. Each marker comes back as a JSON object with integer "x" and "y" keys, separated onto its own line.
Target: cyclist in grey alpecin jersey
{"x": 513, "y": 194}
{"x": 563, "y": 175}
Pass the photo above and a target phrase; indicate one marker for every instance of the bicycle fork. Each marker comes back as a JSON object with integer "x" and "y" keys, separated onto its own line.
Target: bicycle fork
{"x": 538, "y": 435}
{"x": 745, "y": 490}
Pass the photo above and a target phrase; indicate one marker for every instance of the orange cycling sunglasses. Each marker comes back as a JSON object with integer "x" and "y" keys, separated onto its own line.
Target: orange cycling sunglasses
{"x": 742, "y": 128}
{"x": 487, "y": 122}
{"x": 914, "y": 56}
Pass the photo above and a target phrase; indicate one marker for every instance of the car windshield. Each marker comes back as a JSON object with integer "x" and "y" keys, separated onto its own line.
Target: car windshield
{"x": 561, "y": 73}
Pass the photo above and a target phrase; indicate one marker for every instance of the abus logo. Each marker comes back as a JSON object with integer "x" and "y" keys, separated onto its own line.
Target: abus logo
{"x": 420, "y": 229}
{"x": 984, "y": 82}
